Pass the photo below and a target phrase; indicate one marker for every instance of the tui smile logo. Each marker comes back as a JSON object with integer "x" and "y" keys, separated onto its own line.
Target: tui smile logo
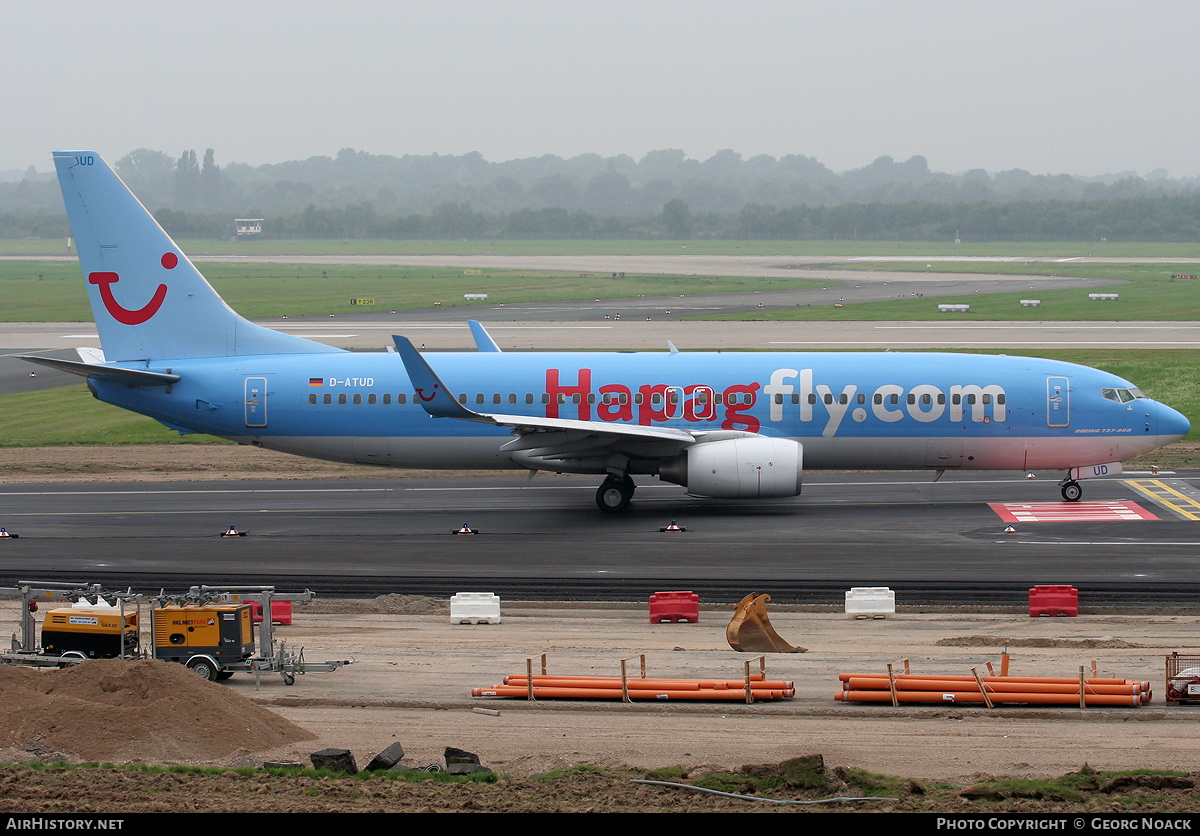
{"x": 122, "y": 314}
{"x": 432, "y": 395}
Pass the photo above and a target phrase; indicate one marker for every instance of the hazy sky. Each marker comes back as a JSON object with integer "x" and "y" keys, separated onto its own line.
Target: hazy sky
{"x": 1085, "y": 87}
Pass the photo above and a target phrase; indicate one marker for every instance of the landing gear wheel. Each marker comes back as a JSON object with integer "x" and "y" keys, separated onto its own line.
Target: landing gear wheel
{"x": 1071, "y": 491}
{"x": 614, "y": 495}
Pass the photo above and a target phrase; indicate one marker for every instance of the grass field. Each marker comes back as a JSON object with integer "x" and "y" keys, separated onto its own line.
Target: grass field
{"x": 53, "y": 291}
{"x": 70, "y": 415}
{"x": 36, "y": 291}
{"x": 1150, "y": 293}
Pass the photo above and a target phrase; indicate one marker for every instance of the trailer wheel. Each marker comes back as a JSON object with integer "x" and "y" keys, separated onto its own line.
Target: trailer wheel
{"x": 205, "y": 668}
{"x": 71, "y": 654}
{"x": 289, "y": 679}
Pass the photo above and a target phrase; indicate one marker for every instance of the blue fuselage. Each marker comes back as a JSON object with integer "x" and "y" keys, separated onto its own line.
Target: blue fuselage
{"x": 849, "y": 410}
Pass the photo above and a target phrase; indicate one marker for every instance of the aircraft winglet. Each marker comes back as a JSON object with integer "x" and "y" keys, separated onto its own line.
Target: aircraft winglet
{"x": 436, "y": 399}
{"x": 431, "y": 393}
{"x": 483, "y": 340}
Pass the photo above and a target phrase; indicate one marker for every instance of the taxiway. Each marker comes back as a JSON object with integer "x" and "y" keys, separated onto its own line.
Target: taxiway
{"x": 933, "y": 541}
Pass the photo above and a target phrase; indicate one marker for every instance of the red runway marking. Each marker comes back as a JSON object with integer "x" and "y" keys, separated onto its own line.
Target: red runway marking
{"x": 1026, "y": 512}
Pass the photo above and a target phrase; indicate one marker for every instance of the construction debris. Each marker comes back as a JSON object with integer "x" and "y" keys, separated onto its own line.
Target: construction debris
{"x": 387, "y": 759}
{"x": 460, "y": 762}
{"x": 750, "y": 629}
{"x": 335, "y": 760}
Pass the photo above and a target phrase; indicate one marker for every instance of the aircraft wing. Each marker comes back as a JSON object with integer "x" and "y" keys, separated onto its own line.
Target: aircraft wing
{"x": 550, "y": 438}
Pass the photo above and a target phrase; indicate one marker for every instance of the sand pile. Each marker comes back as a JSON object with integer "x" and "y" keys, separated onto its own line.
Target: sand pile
{"x": 148, "y": 711}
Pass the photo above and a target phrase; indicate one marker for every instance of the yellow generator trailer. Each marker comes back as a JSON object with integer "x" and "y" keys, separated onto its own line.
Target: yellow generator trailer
{"x": 211, "y": 639}
{"x": 89, "y": 631}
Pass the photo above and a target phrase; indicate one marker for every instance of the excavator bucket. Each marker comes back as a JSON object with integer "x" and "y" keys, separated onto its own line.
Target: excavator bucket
{"x": 750, "y": 629}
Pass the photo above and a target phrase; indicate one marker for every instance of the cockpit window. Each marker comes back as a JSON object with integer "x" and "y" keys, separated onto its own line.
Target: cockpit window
{"x": 1121, "y": 395}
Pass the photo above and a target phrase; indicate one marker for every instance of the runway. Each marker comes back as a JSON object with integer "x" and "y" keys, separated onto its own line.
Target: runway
{"x": 933, "y": 542}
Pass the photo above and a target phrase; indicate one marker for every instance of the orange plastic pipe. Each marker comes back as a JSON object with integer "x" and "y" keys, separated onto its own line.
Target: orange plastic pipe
{"x": 992, "y": 686}
{"x": 976, "y": 697}
{"x": 643, "y": 684}
{"x": 955, "y": 678}
{"x": 616, "y": 694}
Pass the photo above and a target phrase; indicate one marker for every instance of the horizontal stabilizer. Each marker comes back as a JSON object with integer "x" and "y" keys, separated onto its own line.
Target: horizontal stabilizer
{"x": 133, "y": 377}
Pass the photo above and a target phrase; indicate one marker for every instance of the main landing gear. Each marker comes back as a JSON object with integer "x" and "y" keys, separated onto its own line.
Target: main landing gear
{"x": 1071, "y": 491}
{"x": 614, "y": 495}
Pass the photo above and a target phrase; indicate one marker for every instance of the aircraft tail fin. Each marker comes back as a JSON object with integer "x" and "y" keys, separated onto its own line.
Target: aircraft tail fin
{"x": 149, "y": 301}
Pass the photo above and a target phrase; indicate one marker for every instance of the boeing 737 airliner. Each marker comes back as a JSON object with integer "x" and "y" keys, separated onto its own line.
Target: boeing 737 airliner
{"x": 737, "y": 425}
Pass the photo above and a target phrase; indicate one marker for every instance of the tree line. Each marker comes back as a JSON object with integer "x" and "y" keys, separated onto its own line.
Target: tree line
{"x": 1175, "y": 219}
{"x": 663, "y": 195}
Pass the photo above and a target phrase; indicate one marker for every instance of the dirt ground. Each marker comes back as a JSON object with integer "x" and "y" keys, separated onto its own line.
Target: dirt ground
{"x": 412, "y": 673}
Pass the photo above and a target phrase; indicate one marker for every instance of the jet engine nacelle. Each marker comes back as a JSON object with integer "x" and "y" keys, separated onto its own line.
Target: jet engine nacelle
{"x": 751, "y": 467}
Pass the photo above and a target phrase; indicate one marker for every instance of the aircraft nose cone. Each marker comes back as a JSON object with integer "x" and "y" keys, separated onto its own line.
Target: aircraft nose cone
{"x": 1172, "y": 425}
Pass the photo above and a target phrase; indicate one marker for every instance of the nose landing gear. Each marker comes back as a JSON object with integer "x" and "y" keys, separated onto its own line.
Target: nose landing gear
{"x": 1071, "y": 490}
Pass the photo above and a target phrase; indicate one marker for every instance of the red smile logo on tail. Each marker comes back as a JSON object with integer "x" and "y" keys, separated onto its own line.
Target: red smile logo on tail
{"x": 122, "y": 314}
